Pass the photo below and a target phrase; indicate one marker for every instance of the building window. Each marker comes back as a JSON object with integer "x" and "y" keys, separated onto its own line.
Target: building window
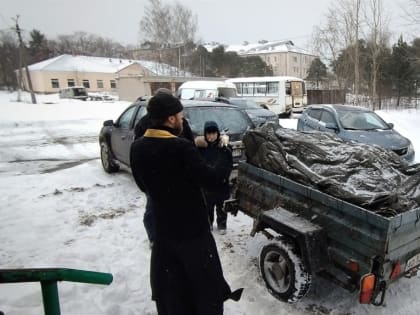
{"x": 70, "y": 82}
{"x": 100, "y": 84}
{"x": 113, "y": 84}
{"x": 295, "y": 59}
{"x": 55, "y": 84}
{"x": 86, "y": 84}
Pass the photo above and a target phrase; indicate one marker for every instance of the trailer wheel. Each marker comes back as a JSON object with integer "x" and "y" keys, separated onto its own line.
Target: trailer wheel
{"x": 108, "y": 163}
{"x": 284, "y": 272}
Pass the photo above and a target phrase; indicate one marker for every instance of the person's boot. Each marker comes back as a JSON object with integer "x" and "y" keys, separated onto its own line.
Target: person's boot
{"x": 222, "y": 228}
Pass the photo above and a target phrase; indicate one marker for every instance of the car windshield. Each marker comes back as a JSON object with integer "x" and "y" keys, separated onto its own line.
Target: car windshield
{"x": 245, "y": 103}
{"x": 361, "y": 120}
{"x": 230, "y": 119}
{"x": 79, "y": 92}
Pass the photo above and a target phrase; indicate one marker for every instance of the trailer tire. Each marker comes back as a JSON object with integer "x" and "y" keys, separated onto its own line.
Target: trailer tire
{"x": 284, "y": 272}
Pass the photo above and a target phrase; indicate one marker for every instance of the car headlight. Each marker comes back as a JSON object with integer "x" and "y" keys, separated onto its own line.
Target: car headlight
{"x": 258, "y": 121}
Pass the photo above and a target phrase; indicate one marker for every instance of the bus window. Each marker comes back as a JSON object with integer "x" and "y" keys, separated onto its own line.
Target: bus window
{"x": 260, "y": 88}
{"x": 272, "y": 88}
{"x": 288, "y": 88}
{"x": 248, "y": 89}
{"x": 297, "y": 88}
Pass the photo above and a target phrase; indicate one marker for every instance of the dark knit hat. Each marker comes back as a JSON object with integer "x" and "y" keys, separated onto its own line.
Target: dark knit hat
{"x": 211, "y": 126}
{"x": 163, "y": 105}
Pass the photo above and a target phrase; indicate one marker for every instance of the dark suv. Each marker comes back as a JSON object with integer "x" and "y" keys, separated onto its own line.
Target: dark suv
{"x": 116, "y": 137}
{"x": 354, "y": 123}
{"x": 256, "y": 113}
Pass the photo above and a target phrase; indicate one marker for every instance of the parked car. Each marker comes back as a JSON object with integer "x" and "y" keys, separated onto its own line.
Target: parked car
{"x": 258, "y": 114}
{"x": 115, "y": 138}
{"x": 354, "y": 123}
{"x": 75, "y": 92}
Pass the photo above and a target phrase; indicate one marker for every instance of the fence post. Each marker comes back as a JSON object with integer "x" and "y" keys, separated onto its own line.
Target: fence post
{"x": 50, "y": 298}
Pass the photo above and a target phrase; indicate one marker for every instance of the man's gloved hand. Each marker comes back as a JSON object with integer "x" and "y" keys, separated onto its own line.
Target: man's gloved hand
{"x": 224, "y": 140}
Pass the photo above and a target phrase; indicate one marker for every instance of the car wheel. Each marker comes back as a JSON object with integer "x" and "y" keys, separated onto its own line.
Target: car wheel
{"x": 108, "y": 163}
{"x": 284, "y": 273}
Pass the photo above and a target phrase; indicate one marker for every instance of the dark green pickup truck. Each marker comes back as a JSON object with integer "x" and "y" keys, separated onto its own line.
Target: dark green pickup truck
{"x": 315, "y": 234}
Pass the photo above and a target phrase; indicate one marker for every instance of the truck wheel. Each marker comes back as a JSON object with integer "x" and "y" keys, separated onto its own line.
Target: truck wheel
{"x": 108, "y": 163}
{"x": 284, "y": 273}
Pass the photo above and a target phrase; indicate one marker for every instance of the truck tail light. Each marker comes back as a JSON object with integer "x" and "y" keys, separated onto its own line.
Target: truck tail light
{"x": 367, "y": 288}
{"x": 396, "y": 270}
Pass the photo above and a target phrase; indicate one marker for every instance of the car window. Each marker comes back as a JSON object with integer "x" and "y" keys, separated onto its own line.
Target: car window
{"x": 327, "y": 117}
{"x": 315, "y": 113}
{"x": 125, "y": 118}
{"x": 231, "y": 119}
{"x": 140, "y": 113}
{"x": 361, "y": 120}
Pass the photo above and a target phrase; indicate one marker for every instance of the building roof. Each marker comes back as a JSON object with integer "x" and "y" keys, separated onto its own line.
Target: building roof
{"x": 100, "y": 64}
{"x": 261, "y": 48}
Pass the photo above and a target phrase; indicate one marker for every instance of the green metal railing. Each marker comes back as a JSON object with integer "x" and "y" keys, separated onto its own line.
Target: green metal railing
{"x": 49, "y": 277}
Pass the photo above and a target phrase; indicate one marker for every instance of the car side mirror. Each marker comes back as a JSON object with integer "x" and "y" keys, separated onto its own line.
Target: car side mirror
{"x": 391, "y": 125}
{"x": 108, "y": 123}
{"x": 331, "y": 126}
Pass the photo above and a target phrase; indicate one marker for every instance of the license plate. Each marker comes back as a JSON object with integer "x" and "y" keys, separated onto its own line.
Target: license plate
{"x": 412, "y": 262}
{"x": 237, "y": 152}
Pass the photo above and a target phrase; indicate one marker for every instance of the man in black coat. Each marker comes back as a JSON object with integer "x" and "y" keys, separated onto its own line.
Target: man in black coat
{"x": 186, "y": 274}
{"x": 139, "y": 130}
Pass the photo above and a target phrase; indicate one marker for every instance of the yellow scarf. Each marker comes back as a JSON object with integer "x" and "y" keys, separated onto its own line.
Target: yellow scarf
{"x": 158, "y": 133}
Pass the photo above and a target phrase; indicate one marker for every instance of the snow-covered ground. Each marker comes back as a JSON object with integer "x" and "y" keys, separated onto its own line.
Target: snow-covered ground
{"x": 58, "y": 208}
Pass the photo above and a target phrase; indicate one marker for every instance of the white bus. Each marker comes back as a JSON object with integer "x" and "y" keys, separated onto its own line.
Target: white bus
{"x": 282, "y": 95}
{"x": 206, "y": 90}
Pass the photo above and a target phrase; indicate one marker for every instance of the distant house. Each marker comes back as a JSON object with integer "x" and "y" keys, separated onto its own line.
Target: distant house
{"x": 283, "y": 56}
{"x": 127, "y": 78}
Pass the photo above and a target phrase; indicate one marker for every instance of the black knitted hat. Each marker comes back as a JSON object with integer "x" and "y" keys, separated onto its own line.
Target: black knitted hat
{"x": 163, "y": 105}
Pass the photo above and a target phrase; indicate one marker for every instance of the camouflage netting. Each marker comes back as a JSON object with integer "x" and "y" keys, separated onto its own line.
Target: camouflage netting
{"x": 365, "y": 175}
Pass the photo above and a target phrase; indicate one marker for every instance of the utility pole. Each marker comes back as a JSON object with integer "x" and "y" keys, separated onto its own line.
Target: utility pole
{"x": 23, "y": 59}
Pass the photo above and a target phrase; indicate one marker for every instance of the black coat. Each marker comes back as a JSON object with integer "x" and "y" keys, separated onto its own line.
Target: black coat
{"x": 172, "y": 172}
{"x": 184, "y": 260}
{"x": 213, "y": 153}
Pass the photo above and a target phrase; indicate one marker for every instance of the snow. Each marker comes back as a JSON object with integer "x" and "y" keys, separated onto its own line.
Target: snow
{"x": 253, "y": 48}
{"x": 60, "y": 209}
{"x": 99, "y": 64}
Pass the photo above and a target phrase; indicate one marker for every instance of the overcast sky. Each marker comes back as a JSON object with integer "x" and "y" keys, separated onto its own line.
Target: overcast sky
{"x": 225, "y": 21}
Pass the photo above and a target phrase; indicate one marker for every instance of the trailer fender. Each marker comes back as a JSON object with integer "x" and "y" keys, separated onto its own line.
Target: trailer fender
{"x": 307, "y": 236}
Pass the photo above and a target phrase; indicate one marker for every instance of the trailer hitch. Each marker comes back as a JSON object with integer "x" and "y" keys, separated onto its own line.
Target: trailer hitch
{"x": 380, "y": 293}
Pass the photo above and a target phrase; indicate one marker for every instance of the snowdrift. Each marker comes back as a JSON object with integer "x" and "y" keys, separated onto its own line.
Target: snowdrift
{"x": 365, "y": 175}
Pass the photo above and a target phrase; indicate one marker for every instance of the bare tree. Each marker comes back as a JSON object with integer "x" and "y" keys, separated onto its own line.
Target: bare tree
{"x": 377, "y": 28}
{"x": 327, "y": 41}
{"x": 347, "y": 21}
{"x": 168, "y": 24}
{"x": 413, "y": 12}
{"x": 156, "y": 23}
{"x": 183, "y": 24}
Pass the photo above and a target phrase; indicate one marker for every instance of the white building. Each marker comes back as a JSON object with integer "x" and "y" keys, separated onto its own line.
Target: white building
{"x": 127, "y": 78}
{"x": 283, "y": 56}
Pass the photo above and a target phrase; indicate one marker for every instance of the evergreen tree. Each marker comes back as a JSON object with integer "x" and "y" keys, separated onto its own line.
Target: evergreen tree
{"x": 317, "y": 71}
{"x": 38, "y": 47}
{"x": 401, "y": 70}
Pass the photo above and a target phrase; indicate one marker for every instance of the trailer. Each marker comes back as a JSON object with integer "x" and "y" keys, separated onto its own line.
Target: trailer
{"x": 314, "y": 234}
